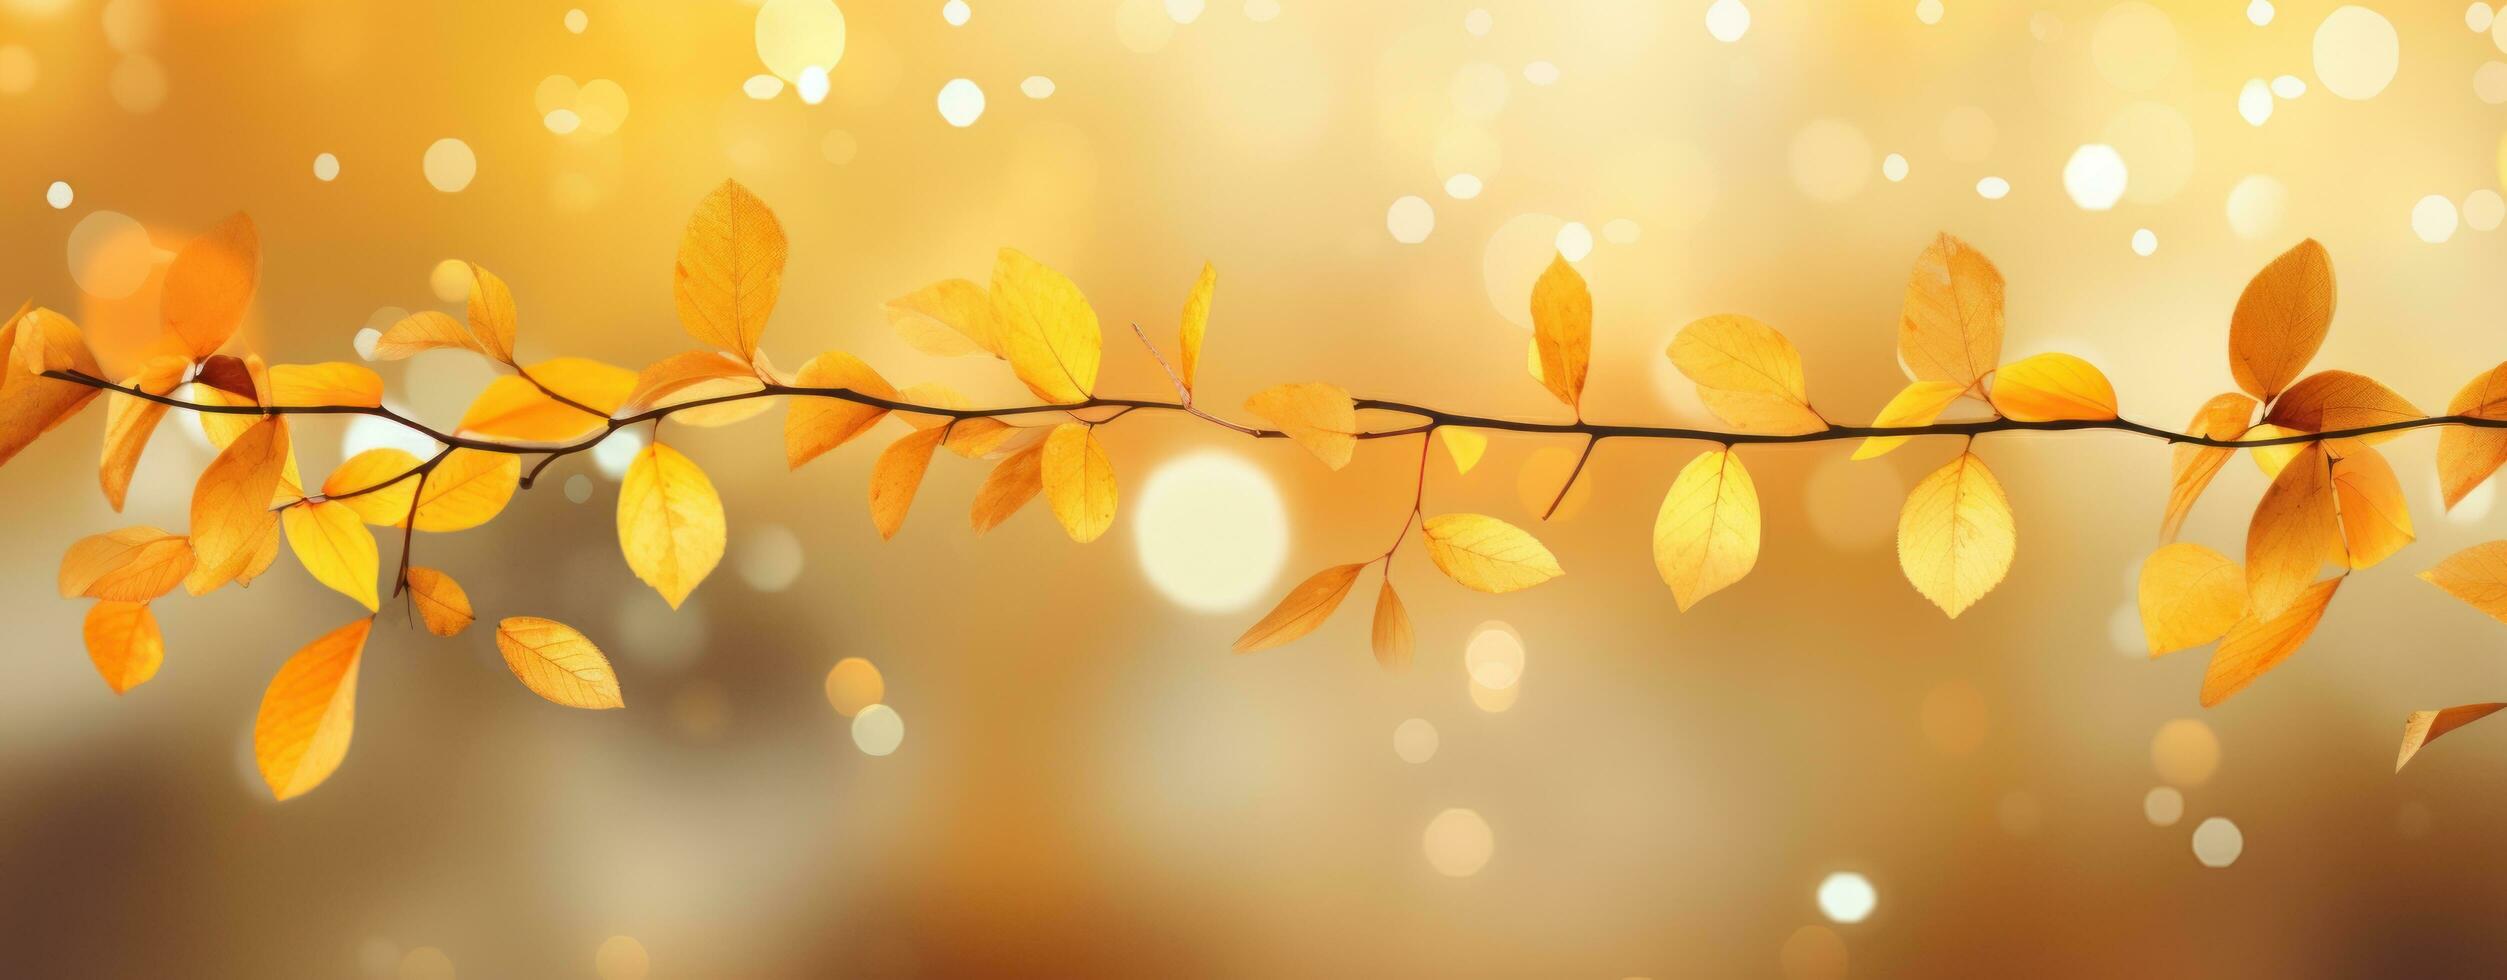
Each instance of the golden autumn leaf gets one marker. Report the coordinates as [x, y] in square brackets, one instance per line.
[1487, 554]
[123, 641]
[133, 564]
[2294, 530]
[30, 405]
[1466, 446]
[230, 510]
[1078, 481]
[2191, 467]
[897, 474]
[1562, 330]
[329, 383]
[1321, 417]
[949, 318]
[442, 605]
[515, 408]
[2376, 522]
[130, 421]
[468, 489]
[1196, 322]
[1950, 328]
[1956, 537]
[558, 663]
[2477, 575]
[1048, 330]
[492, 316]
[209, 283]
[730, 270]
[1706, 534]
[973, 437]
[814, 425]
[310, 711]
[1010, 485]
[2189, 596]
[1919, 403]
[2423, 727]
[2466, 455]
[2270, 459]
[50, 342]
[2330, 400]
[1391, 634]
[332, 542]
[354, 484]
[2048, 387]
[1304, 608]
[692, 377]
[420, 332]
[670, 522]
[1746, 373]
[2281, 319]
[2259, 642]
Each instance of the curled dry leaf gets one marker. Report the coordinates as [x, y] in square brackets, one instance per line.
[332, 542]
[133, 564]
[2329, 400]
[670, 522]
[442, 605]
[1466, 446]
[31, 405]
[230, 511]
[1391, 633]
[950, 318]
[2051, 387]
[2466, 455]
[123, 641]
[1321, 417]
[469, 488]
[2424, 727]
[1950, 328]
[2477, 575]
[2295, 529]
[558, 663]
[377, 483]
[1048, 330]
[1746, 373]
[1010, 485]
[209, 283]
[1706, 534]
[492, 317]
[1079, 481]
[130, 421]
[2189, 596]
[1304, 608]
[896, 476]
[1487, 554]
[514, 407]
[1562, 330]
[1956, 537]
[1196, 322]
[2281, 319]
[1919, 403]
[2260, 642]
[730, 270]
[310, 711]
[2191, 467]
[420, 332]
[813, 425]
[2376, 522]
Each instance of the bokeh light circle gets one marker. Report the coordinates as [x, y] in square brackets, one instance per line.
[1458, 843]
[1211, 531]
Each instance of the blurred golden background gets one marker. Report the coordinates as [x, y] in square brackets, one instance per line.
[1813, 775]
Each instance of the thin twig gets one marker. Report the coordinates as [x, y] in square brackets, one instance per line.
[1581, 458]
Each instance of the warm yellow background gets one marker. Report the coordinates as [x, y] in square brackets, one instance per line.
[1090, 783]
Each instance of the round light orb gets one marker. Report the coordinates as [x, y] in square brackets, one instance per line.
[878, 730]
[961, 102]
[795, 34]
[1410, 219]
[853, 685]
[1458, 843]
[2434, 219]
[1415, 741]
[1846, 897]
[2218, 842]
[2095, 177]
[1211, 530]
[2163, 806]
[450, 166]
[2356, 52]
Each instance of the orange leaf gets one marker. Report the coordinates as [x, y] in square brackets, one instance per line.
[230, 509]
[1304, 608]
[30, 405]
[134, 564]
[1321, 417]
[130, 421]
[2191, 467]
[331, 383]
[2050, 387]
[2281, 320]
[2477, 575]
[2189, 596]
[1009, 486]
[730, 270]
[492, 316]
[1951, 326]
[2259, 643]
[895, 477]
[2466, 455]
[2294, 529]
[515, 408]
[1079, 481]
[2375, 520]
[310, 711]
[813, 425]
[425, 331]
[558, 663]
[2424, 727]
[950, 318]
[1392, 634]
[1562, 330]
[123, 640]
[468, 489]
[2329, 400]
[382, 482]
[209, 283]
[335, 547]
[442, 604]
[1196, 323]
[1919, 403]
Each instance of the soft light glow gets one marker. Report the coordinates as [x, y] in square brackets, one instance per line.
[1410, 219]
[18, 69]
[1183, 11]
[2482, 209]
[1477, 23]
[2356, 52]
[1968, 134]
[2256, 207]
[1727, 20]
[2218, 842]
[1211, 531]
[769, 557]
[1621, 231]
[795, 34]
[450, 166]
[1928, 11]
[1494, 700]
[1993, 188]
[565, 121]
[1846, 897]
[2095, 177]
[2185, 753]
[956, 13]
[2433, 219]
[621, 957]
[1415, 741]
[878, 730]
[59, 195]
[2288, 87]
[1036, 87]
[111, 255]
[1955, 718]
[812, 85]
[1541, 73]
[762, 87]
[1494, 655]
[1575, 241]
[2134, 46]
[2254, 102]
[2478, 17]
[2259, 13]
[1458, 843]
[1893, 167]
[577, 21]
[1831, 160]
[1262, 11]
[138, 84]
[2145, 242]
[2489, 82]
[325, 167]
[450, 280]
[853, 685]
[961, 102]
[1462, 187]
[617, 451]
[2160, 143]
[2163, 806]
[578, 488]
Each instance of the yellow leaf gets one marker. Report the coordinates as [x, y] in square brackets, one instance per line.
[2049, 387]
[468, 489]
[2331, 400]
[1048, 330]
[730, 270]
[670, 522]
[330, 383]
[50, 342]
[2281, 320]
[1950, 328]
[441, 603]
[2375, 520]
[2424, 727]
[29, 405]
[1392, 633]
[896, 475]
[123, 640]
[814, 425]
[1321, 417]
[209, 283]
[1009, 486]
[1196, 323]
[1487, 554]
[514, 408]
[949, 318]
[2477, 575]
[2294, 530]
[558, 663]
[2189, 596]
[418, 333]
[133, 564]
[310, 711]
[265, 552]
[970, 436]
[1466, 446]
[1956, 537]
[1706, 535]
[666, 381]
[1304, 608]
[130, 421]
[1562, 327]
[334, 545]
[387, 506]
[2191, 467]
[2466, 455]
[1919, 403]
[231, 504]
[2270, 459]
[1746, 373]
[492, 317]
[2260, 642]
[1079, 481]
